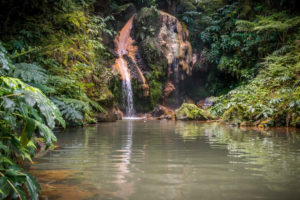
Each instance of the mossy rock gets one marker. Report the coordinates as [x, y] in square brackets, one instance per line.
[144, 103]
[192, 112]
[152, 53]
[148, 16]
[156, 89]
[102, 95]
[147, 23]
[235, 115]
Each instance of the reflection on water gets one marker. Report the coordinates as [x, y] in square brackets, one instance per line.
[125, 188]
[172, 160]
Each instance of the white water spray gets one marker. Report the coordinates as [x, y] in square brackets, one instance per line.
[121, 43]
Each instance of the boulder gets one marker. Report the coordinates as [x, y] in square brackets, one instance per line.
[110, 116]
[235, 115]
[169, 88]
[166, 50]
[192, 112]
[205, 103]
[162, 112]
[159, 57]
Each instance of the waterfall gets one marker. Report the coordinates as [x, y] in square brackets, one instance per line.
[122, 42]
[127, 92]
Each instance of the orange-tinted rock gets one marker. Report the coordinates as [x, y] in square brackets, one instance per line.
[173, 39]
[163, 112]
[169, 88]
[124, 45]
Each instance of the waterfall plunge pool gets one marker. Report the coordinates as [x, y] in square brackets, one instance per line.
[133, 159]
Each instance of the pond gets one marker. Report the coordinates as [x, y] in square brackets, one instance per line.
[133, 159]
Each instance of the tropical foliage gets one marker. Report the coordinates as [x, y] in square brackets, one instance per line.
[50, 48]
[25, 113]
[55, 58]
[273, 95]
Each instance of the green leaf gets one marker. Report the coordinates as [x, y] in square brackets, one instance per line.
[5, 188]
[5, 160]
[28, 131]
[30, 73]
[32, 187]
[4, 147]
[46, 133]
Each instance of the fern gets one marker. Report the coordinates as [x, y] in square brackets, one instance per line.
[30, 73]
[71, 109]
[244, 26]
[284, 49]
[46, 89]
[96, 106]
[5, 62]
[272, 95]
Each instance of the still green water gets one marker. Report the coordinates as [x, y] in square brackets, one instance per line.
[172, 160]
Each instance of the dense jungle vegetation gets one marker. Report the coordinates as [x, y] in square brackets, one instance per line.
[55, 58]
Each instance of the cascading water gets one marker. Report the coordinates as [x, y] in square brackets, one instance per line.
[121, 44]
[127, 90]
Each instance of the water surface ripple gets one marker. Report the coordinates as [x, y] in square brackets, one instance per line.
[137, 160]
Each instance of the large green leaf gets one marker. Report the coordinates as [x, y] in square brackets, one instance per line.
[32, 186]
[5, 160]
[46, 133]
[30, 73]
[30, 96]
[28, 131]
[5, 188]
[4, 147]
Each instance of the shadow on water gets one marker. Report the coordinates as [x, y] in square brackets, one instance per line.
[134, 159]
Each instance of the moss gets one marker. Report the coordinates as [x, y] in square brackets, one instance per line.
[192, 112]
[151, 52]
[147, 23]
[235, 115]
[144, 103]
[155, 92]
[116, 88]
[147, 16]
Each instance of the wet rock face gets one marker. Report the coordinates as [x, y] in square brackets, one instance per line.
[112, 115]
[169, 88]
[173, 39]
[158, 56]
[166, 50]
[166, 34]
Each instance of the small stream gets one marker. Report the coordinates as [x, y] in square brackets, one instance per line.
[153, 160]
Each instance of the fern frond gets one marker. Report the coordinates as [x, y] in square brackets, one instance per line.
[71, 109]
[284, 49]
[5, 62]
[30, 73]
[95, 105]
[46, 89]
[244, 25]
